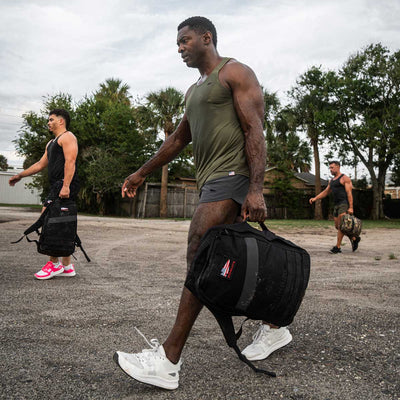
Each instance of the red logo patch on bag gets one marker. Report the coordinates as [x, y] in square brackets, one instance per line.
[227, 269]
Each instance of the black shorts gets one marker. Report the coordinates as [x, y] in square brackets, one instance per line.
[55, 191]
[228, 187]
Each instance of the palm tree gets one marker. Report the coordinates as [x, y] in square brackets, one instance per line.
[166, 107]
[112, 90]
[311, 102]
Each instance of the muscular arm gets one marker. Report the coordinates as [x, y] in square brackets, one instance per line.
[323, 194]
[249, 106]
[348, 187]
[174, 144]
[69, 145]
[33, 169]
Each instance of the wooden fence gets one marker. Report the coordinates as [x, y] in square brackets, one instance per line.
[182, 202]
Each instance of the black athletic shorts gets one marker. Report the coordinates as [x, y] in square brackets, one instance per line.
[228, 187]
[55, 191]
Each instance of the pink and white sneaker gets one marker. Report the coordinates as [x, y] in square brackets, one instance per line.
[49, 270]
[69, 270]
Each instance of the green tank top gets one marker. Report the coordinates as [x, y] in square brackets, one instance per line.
[218, 139]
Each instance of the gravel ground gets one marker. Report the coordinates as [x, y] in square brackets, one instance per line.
[58, 336]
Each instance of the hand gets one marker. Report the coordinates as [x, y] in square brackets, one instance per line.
[14, 179]
[350, 210]
[254, 207]
[132, 182]
[64, 192]
[312, 200]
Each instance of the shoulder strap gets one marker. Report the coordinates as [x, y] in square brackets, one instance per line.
[221, 64]
[79, 244]
[226, 324]
[58, 137]
[34, 227]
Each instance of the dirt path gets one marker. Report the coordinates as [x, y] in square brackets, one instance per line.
[58, 336]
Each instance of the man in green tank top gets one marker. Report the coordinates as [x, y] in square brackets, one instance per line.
[224, 120]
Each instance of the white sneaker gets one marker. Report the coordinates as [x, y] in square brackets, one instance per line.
[265, 341]
[150, 366]
[69, 270]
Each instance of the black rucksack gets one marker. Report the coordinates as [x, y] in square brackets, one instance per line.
[241, 271]
[58, 236]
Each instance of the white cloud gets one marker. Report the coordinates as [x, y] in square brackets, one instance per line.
[72, 47]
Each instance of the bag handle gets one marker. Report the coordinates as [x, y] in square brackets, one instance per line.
[263, 226]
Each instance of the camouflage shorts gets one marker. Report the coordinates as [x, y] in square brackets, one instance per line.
[340, 209]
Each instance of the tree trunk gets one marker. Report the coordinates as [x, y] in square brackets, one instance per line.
[318, 204]
[100, 202]
[375, 202]
[164, 189]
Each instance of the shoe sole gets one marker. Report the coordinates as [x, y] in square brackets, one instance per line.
[70, 275]
[283, 342]
[41, 278]
[125, 366]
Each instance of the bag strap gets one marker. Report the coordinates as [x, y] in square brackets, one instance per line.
[263, 226]
[79, 244]
[226, 324]
[33, 228]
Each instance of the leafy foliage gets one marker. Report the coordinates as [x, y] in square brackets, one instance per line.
[3, 163]
[367, 120]
[285, 149]
[115, 138]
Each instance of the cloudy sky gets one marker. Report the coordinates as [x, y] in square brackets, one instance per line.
[48, 46]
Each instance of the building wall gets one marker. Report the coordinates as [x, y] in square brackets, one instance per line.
[18, 194]
[393, 191]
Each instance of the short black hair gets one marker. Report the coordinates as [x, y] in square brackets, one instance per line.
[200, 25]
[334, 162]
[60, 112]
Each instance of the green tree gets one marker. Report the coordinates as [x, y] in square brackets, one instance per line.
[110, 142]
[113, 91]
[367, 121]
[312, 105]
[3, 163]
[285, 149]
[165, 111]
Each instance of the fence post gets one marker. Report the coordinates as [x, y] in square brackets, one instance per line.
[185, 203]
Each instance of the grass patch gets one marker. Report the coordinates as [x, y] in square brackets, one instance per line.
[271, 223]
[310, 223]
[392, 256]
[35, 206]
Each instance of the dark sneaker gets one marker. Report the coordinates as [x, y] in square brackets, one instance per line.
[335, 250]
[354, 243]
